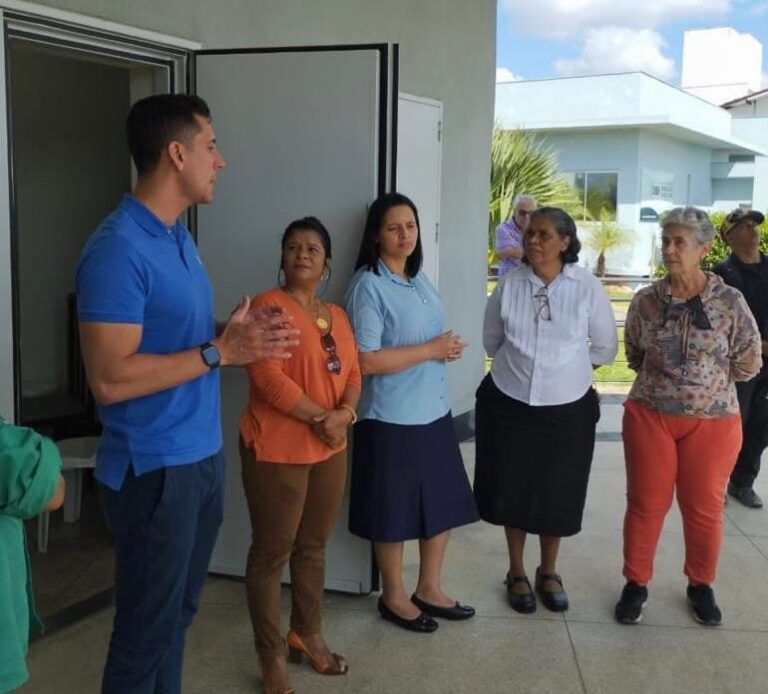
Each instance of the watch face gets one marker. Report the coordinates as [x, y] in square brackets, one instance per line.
[211, 356]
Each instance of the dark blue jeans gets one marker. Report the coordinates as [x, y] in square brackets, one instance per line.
[165, 524]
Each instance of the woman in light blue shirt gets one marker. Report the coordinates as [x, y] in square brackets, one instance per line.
[408, 477]
[547, 324]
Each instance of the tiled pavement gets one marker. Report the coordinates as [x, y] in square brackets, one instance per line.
[499, 651]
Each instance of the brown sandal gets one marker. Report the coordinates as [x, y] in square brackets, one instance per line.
[297, 649]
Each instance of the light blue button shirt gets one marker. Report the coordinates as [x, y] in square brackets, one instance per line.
[388, 311]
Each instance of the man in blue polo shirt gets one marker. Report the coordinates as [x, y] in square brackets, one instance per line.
[151, 353]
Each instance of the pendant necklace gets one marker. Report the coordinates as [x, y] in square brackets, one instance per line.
[320, 322]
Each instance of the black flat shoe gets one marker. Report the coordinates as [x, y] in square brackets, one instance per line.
[746, 496]
[525, 603]
[456, 612]
[556, 602]
[423, 624]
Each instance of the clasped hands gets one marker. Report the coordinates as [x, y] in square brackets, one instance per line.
[331, 426]
[447, 347]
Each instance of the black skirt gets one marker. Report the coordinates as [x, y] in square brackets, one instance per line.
[532, 463]
[408, 481]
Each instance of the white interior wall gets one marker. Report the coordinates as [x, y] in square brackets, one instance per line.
[71, 168]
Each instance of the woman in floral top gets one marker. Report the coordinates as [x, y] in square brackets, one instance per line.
[689, 336]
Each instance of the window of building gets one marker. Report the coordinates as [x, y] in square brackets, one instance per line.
[597, 189]
[735, 158]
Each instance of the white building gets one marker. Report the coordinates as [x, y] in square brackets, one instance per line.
[721, 64]
[636, 146]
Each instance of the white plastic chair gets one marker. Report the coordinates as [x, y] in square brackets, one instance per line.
[76, 455]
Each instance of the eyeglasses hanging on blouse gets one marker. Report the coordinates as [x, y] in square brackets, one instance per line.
[332, 362]
[541, 304]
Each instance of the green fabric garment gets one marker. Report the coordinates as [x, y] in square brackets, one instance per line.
[30, 466]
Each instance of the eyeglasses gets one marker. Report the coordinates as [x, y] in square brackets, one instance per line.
[541, 301]
[332, 362]
[524, 213]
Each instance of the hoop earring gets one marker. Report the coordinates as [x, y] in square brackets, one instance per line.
[325, 280]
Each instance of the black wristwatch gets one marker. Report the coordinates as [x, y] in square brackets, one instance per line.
[210, 355]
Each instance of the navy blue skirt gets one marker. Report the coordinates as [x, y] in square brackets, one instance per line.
[408, 481]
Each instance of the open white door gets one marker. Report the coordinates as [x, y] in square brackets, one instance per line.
[304, 131]
[419, 148]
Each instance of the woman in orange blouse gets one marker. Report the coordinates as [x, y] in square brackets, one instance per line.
[293, 441]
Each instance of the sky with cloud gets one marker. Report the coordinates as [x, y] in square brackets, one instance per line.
[559, 38]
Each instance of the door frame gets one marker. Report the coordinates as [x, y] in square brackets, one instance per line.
[80, 34]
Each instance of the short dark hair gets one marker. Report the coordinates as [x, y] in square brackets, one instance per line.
[308, 223]
[565, 228]
[368, 257]
[156, 121]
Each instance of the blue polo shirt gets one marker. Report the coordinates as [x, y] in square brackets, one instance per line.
[134, 269]
[388, 311]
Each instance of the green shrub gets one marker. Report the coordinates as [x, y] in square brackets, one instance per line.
[720, 250]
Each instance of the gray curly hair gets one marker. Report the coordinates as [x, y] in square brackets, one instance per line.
[693, 219]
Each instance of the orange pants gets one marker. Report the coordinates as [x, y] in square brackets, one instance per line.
[667, 452]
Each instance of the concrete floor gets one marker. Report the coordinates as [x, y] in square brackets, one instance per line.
[80, 561]
[583, 651]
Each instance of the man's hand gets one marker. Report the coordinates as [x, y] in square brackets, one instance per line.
[250, 334]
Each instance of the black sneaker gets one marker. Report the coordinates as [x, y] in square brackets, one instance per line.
[745, 495]
[705, 609]
[629, 608]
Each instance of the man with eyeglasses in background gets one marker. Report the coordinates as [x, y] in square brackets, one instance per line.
[509, 234]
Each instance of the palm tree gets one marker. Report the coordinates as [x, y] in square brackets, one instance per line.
[605, 236]
[521, 163]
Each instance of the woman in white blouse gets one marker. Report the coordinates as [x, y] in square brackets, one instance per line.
[547, 324]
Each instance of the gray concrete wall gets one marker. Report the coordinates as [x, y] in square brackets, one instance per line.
[615, 151]
[608, 150]
[757, 109]
[447, 52]
[728, 194]
[682, 159]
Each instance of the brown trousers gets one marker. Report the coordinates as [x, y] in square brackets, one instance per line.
[293, 511]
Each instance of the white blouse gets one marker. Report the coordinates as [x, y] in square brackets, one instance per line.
[544, 340]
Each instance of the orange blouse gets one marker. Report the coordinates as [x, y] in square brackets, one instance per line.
[276, 385]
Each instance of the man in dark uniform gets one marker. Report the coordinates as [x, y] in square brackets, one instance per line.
[747, 270]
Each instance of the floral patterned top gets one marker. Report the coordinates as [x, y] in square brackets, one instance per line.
[688, 354]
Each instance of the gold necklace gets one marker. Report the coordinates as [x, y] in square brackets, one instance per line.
[320, 322]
